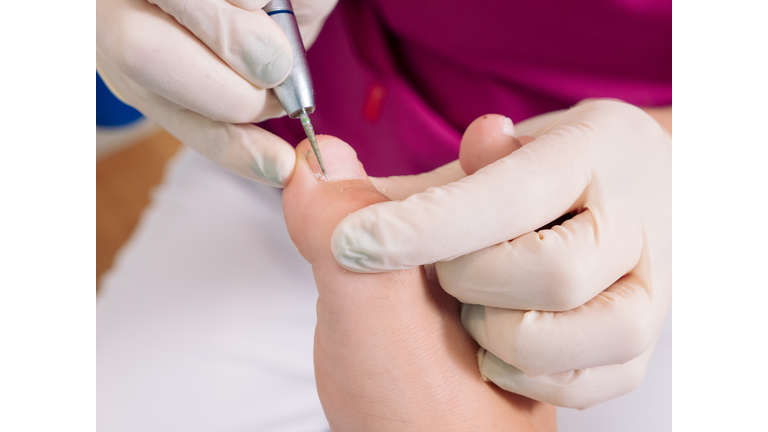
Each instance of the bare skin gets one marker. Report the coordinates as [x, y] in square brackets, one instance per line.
[485, 142]
[662, 115]
[390, 350]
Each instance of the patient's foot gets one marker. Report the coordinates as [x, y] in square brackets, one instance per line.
[390, 350]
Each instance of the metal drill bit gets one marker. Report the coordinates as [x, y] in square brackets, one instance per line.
[295, 94]
[310, 131]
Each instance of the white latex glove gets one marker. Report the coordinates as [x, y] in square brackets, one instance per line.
[568, 315]
[199, 68]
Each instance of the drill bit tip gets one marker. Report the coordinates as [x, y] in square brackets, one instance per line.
[310, 132]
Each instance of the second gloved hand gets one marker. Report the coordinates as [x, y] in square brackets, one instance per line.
[568, 314]
[201, 70]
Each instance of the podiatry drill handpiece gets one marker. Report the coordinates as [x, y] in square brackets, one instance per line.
[295, 94]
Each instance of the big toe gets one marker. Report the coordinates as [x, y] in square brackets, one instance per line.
[314, 203]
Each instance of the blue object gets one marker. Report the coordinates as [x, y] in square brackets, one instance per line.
[110, 112]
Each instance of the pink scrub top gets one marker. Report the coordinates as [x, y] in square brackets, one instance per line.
[401, 80]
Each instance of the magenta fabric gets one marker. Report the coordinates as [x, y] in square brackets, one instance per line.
[401, 80]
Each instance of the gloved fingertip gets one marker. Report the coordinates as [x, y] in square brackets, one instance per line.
[272, 164]
[471, 316]
[351, 260]
[271, 172]
[354, 248]
[269, 63]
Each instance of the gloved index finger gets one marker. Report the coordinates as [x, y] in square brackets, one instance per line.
[249, 41]
[510, 197]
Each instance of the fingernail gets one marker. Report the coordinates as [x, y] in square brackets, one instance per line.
[339, 159]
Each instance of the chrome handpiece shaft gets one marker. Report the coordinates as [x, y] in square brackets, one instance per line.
[296, 94]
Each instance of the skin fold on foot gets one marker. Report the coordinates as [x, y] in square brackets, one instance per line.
[390, 350]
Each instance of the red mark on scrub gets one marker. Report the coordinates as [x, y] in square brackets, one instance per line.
[374, 100]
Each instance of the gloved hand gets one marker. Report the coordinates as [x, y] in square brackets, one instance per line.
[199, 68]
[569, 315]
